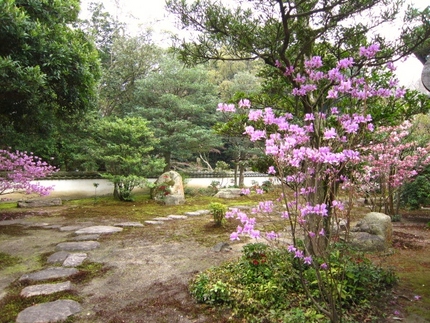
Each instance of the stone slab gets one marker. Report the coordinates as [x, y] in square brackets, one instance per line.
[75, 259]
[162, 219]
[85, 237]
[40, 203]
[154, 222]
[78, 245]
[45, 289]
[56, 311]
[71, 228]
[129, 224]
[197, 213]
[50, 273]
[58, 257]
[99, 229]
[177, 217]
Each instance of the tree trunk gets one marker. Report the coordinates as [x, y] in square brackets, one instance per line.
[168, 161]
[241, 175]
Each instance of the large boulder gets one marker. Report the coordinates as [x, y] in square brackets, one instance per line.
[373, 233]
[169, 189]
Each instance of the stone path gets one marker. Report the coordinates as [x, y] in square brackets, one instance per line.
[63, 261]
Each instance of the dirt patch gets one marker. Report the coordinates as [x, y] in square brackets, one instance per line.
[150, 267]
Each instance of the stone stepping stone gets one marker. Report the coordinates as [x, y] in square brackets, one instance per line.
[75, 259]
[197, 213]
[177, 217]
[78, 245]
[154, 222]
[45, 289]
[85, 237]
[49, 312]
[162, 219]
[129, 224]
[99, 229]
[50, 273]
[71, 228]
[58, 257]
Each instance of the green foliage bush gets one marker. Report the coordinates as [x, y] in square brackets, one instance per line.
[417, 193]
[264, 285]
[218, 211]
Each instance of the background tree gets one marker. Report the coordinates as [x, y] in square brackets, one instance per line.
[49, 73]
[124, 148]
[178, 102]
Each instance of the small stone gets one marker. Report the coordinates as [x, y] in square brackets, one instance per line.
[221, 246]
[74, 259]
[78, 245]
[58, 257]
[162, 219]
[129, 224]
[177, 217]
[99, 229]
[50, 273]
[45, 289]
[154, 222]
[49, 312]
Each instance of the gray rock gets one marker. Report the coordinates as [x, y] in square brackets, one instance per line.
[40, 203]
[177, 217]
[49, 312]
[221, 246]
[154, 222]
[70, 228]
[78, 245]
[50, 273]
[85, 237]
[58, 257]
[373, 233]
[162, 219]
[174, 200]
[367, 242]
[197, 213]
[129, 224]
[99, 229]
[74, 259]
[229, 193]
[45, 289]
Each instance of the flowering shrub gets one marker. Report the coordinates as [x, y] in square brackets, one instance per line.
[314, 157]
[18, 170]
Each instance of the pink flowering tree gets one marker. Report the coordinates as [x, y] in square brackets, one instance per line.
[391, 160]
[19, 170]
[312, 159]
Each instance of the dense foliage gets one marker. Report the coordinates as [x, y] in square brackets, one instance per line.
[264, 285]
[49, 73]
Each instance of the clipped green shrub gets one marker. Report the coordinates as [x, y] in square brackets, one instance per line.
[218, 211]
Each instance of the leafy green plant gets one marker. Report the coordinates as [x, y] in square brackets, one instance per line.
[264, 285]
[417, 193]
[218, 211]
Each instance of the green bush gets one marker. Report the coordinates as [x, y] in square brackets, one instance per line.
[264, 285]
[417, 193]
[218, 211]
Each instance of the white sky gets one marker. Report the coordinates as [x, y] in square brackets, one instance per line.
[151, 13]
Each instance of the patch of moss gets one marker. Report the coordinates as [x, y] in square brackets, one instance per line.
[7, 260]
[13, 302]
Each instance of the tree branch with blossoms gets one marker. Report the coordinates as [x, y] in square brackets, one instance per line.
[312, 158]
